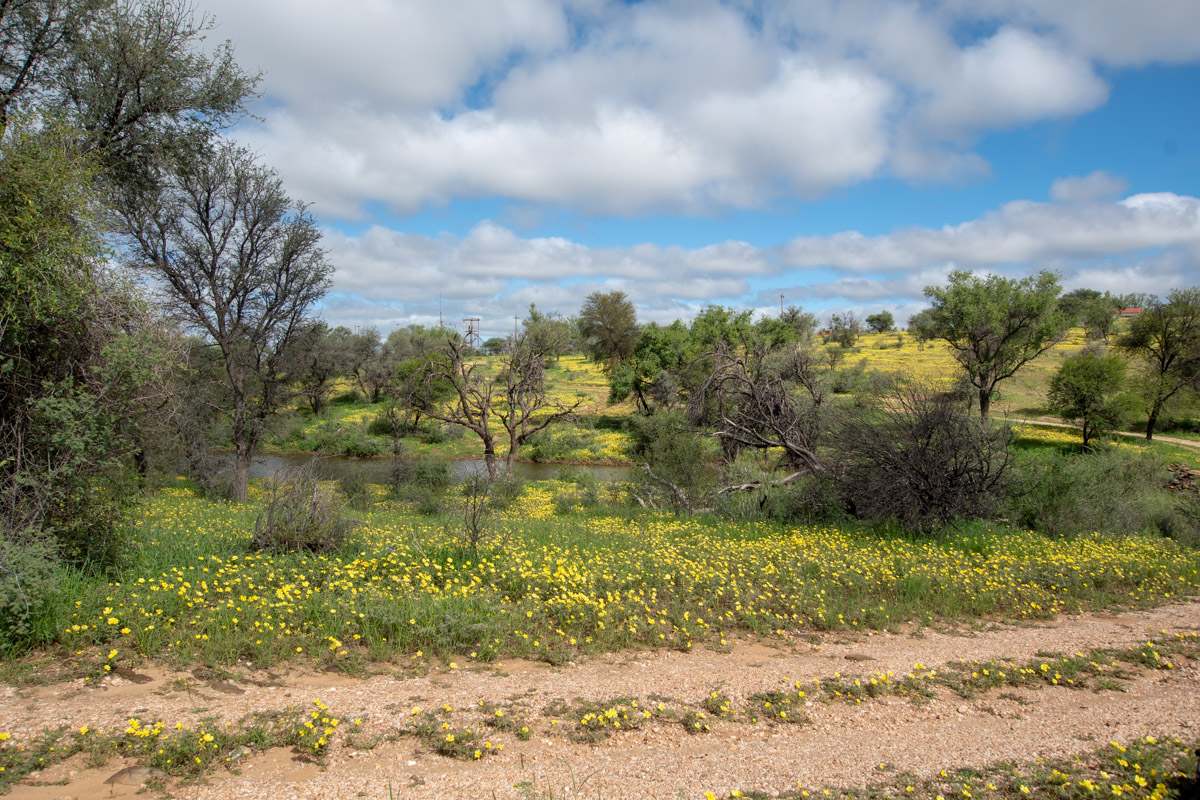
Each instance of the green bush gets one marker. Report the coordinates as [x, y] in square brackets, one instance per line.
[1115, 490]
[29, 581]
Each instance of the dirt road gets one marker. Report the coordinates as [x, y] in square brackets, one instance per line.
[842, 744]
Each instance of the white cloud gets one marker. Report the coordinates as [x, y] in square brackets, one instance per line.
[1020, 232]
[1097, 186]
[689, 108]
[1146, 242]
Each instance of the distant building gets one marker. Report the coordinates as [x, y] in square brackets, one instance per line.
[1126, 313]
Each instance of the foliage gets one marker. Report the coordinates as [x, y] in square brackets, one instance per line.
[995, 325]
[30, 574]
[673, 460]
[238, 262]
[1116, 491]
[1087, 388]
[132, 77]
[300, 514]
[919, 459]
[881, 322]
[608, 324]
[80, 357]
[844, 329]
[1165, 337]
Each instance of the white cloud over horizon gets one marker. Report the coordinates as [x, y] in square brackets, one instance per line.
[1145, 242]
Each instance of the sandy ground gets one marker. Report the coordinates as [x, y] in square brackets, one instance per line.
[843, 746]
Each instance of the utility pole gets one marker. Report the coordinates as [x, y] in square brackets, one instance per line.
[781, 306]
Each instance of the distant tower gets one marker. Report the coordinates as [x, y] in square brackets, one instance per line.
[471, 336]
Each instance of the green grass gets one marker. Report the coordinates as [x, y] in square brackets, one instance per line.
[568, 584]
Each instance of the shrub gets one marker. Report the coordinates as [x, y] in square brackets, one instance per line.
[300, 514]
[921, 460]
[29, 572]
[482, 497]
[1116, 490]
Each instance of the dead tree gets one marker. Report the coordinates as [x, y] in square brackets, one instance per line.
[512, 405]
[751, 402]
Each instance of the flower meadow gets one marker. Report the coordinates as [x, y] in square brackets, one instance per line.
[565, 583]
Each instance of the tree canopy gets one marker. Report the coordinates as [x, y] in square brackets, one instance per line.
[995, 325]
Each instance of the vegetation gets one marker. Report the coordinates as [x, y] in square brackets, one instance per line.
[995, 326]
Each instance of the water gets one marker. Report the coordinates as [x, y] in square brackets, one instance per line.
[379, 470]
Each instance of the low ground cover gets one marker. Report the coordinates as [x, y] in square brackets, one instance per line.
[570, 582]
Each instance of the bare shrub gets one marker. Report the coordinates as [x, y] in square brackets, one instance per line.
[300, 514]
[483, 497]
[918, 458]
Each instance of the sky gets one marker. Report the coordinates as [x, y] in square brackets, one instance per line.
[467, 158]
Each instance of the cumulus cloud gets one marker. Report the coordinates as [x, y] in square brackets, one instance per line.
[692, 108]
[1145, 242]
[1097, 186]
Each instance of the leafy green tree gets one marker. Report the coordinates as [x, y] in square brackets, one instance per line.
[323, 356]
[994, 325]
[549, 334]
[78, 353]
[881, 322]
[240, 263]
[1165, 337]
[1087, 389]
[802, 322]
[609, 328]
[1074, 303]
[133, 77]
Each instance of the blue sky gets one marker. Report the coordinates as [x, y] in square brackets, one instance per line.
[480, 155]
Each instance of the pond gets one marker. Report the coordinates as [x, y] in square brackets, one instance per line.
[378, 470]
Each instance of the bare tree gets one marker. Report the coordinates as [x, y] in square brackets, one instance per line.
[239, 262]
[513, 405]
[525, 407]
[751, 401]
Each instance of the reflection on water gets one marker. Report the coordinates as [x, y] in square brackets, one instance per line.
[379, 470]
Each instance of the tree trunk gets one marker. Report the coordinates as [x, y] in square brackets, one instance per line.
[241, 482]
[489, 459]
[1151, 421]
[985, 404]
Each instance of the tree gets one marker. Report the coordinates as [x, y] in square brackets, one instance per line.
[916, 457]
[994, 325]
[1086, 388]
[131, 75]
[881, 322]
[548, 334]
[323, 356]
[513, 405]
[80, 354]
[238, 261]
[36, 37]
[844, 329]
[608, 325]
[802, 322]
[1166, 338]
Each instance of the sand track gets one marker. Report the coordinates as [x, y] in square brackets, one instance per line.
[844, 745]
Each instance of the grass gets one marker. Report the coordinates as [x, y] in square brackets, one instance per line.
[568, 584]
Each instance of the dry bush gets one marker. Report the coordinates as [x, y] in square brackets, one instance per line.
[300, 514]
[920, 459]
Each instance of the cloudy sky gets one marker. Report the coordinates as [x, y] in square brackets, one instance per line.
[476, 156]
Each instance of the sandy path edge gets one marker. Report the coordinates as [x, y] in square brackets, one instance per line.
[844, 745]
